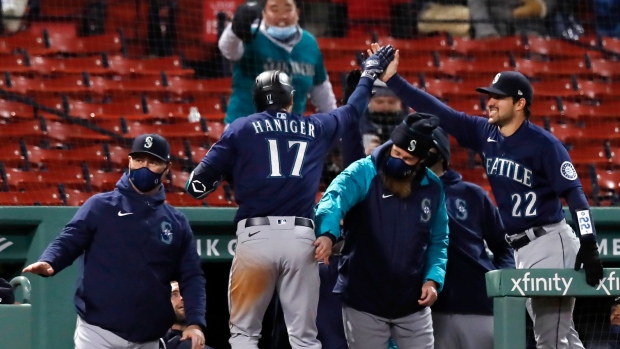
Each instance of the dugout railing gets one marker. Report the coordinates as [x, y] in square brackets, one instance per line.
[510, 287]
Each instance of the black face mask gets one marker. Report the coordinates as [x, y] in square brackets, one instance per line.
[386, 118]
[432, 159]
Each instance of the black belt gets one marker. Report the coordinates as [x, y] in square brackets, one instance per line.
[524, 240]
[299, 221]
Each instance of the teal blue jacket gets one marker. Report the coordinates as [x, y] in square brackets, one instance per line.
[396, 243]
[303, 63]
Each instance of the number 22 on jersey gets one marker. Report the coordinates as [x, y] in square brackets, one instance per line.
[523, 202]
[274, 157]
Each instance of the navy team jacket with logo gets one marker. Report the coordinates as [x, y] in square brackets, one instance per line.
[392, 246]
[474, 219]
[130, 246]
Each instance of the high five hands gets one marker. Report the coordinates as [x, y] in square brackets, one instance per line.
[391, 68]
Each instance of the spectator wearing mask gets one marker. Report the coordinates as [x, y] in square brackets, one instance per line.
[384, 113]
[277, 43]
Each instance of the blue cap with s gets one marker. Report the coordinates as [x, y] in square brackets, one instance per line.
[151, 143]
[510, 84]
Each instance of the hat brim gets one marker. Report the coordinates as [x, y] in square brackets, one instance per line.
[492, 91]
[150, 153]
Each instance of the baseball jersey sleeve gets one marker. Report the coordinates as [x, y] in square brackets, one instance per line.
[437, 257]
[192, 281]
[75, 237]
[468, 130]
[345, 191]
[221, 157]
[559, 169]
[346, 118]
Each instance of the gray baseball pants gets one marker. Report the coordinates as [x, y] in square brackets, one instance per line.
[367, 331]
[463, 331]
[552, 316]
[89, 336]
[280, 257]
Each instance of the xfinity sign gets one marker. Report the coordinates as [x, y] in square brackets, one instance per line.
[527, 283]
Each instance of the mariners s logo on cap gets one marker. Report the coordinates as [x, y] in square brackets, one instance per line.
[148, 142]
[496, 78]
[412, 145]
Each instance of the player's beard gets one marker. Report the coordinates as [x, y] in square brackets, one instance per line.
[401, 187]
[180, 318]
[501, 120]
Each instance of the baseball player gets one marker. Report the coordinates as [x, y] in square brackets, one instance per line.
[274, 159]
[529, 170]
[463, 314]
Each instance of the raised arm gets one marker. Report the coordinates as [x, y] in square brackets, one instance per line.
[348, 115]
[352, 143]
[466, 129]
[239, 31]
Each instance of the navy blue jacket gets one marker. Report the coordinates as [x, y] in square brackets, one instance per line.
[474, 219]
[392, 245]
[130, 247]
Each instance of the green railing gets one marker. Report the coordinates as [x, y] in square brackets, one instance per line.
[510, 287]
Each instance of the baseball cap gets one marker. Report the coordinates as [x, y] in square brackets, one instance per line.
[510, 84]
[151, 143]
[6, 292]
[415, 134]
[380, 89]
[616, 301]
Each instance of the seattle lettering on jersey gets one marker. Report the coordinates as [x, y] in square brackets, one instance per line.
[282, 125]
[291, 68]
[508, 168]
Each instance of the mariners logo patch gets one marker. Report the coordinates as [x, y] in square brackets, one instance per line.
[425, 216]
[166, 233]
[148, 142]
[496, 78]
[568, 171]
[412, 145]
